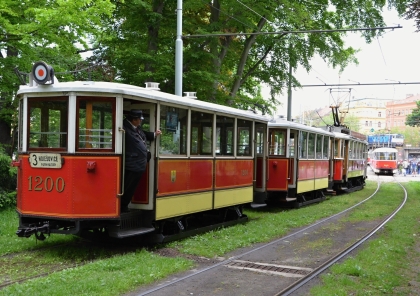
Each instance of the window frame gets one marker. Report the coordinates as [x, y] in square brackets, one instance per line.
[112, 100]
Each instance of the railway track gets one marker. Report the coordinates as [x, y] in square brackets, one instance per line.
[316, 272]
[266, 270]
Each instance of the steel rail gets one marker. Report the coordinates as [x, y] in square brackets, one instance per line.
[301, 282]
[224, 262]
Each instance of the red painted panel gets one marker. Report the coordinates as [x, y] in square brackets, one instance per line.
[278, 169]
[384, 164]
[292, 176]
[338, 169]
[306, 169]
[141, 195]
[71, 191]
[234, 173]
[321, 168]
[95, 193]
[184, 176]
[259, 177]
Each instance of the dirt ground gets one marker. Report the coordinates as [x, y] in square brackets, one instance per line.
[308, 249]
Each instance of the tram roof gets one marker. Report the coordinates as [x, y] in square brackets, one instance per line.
[282, 123]
[385, 149]
[108, 88]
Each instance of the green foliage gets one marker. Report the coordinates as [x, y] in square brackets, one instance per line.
[8, 178]
[139, 41]
[413, 119]
[52, 30]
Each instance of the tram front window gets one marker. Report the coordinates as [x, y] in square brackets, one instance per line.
[47, 123]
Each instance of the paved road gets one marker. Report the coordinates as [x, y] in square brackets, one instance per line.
[388, 178]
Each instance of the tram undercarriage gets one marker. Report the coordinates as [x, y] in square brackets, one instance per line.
[134, 223]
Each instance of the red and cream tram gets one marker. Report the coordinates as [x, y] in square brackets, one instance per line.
[305, 162]
[71, 160]
[384, 161]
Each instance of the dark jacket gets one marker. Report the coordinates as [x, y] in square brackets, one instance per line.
[135, 147]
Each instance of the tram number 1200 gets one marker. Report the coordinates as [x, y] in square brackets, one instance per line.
[37, 183]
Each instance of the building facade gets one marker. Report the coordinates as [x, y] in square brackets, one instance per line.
[370, 114]
[397, 111]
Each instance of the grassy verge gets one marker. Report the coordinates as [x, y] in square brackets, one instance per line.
[267, 224]
[110, 274]
[388, 264]
[10, 242]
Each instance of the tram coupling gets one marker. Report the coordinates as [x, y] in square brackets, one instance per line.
[38, 230]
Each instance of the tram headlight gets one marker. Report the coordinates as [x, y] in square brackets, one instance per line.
[42, 73]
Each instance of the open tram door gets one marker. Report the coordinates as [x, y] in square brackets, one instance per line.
[260, 163]
[143, 196]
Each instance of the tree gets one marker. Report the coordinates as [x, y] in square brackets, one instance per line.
[413, 119]
[228, 70]
[413, 12]
[51, 30]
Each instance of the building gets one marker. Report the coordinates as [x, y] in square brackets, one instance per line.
[397, 111]
[370, 114]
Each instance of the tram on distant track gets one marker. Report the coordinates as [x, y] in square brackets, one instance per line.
[304, 163]
[384, 161]
[208, 163]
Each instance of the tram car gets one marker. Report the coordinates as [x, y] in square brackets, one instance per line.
[384, 161]
[304, 163]
[71, 160]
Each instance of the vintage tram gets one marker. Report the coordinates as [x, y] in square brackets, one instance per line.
[304, 163]
[71, 160]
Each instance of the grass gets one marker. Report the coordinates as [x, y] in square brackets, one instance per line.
[266, 225]
[384, 266]
[105, 273]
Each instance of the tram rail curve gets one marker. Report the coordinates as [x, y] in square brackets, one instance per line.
[316, 272]
[190, 283]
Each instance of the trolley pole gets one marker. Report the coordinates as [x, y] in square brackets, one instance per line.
[178, 50]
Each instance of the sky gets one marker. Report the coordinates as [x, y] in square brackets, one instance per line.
[391, 58]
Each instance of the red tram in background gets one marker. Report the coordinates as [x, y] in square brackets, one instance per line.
[384, 161]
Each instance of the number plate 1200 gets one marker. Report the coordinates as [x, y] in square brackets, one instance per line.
[45, 160]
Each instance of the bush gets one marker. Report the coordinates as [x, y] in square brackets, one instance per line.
[7, 199]
[8, 182]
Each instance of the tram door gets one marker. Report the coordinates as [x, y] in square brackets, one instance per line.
[260, 157]
[143, 197]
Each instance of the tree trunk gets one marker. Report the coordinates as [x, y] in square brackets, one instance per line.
[5, 138]
[154, 34]
[241, 65]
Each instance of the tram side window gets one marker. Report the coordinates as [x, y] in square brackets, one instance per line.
[224, 135]
[278, 142]
[303, 145]
[311, 146]
[244, 138]
[201, 133]
[173, 124]
[95, 123]
[47, 123]
[318, 147]
[326, 148]
[260, 140]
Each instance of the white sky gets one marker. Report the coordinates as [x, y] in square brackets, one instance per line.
[394, 56]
